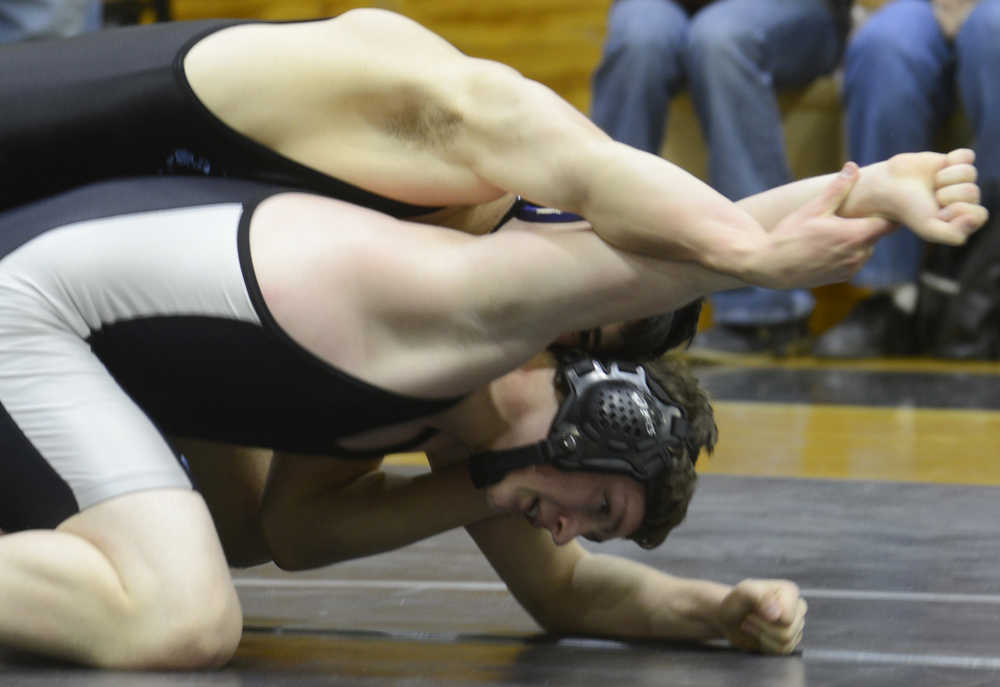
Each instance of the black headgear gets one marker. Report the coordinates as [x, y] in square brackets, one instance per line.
[613, 419]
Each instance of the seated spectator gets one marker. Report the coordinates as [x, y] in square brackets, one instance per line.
[732, 55]
[906, 71]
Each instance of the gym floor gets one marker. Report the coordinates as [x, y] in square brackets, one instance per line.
[874, 486]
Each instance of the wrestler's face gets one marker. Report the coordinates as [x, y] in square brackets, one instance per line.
[570, 504]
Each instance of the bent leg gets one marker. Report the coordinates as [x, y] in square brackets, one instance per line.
[111, 559]
[134, 582]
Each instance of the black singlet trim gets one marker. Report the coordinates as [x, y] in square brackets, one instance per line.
[356, 194]
[433, 405]
[512, 212]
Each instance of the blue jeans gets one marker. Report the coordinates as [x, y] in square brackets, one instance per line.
[902, 81]
[28, 19]
[732, 55]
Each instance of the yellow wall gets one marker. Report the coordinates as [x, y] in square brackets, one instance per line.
[557, 42]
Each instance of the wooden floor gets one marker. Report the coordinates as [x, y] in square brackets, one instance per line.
[874, 486]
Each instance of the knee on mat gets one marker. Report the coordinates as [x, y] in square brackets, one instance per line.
[198, 632]
[206, 641]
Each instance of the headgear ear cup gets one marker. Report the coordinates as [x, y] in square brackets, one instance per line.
[609, 421]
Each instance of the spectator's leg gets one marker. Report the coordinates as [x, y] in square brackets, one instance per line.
[898, 77]
[93, 18]
[898, 89]
[960, 300]
[978, 66]
[739, 52]
[639, 71]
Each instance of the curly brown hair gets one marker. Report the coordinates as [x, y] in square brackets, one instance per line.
[667, 500]
[642, 340]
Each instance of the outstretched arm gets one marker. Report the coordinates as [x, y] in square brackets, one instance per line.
[554, 282]
[569, 590]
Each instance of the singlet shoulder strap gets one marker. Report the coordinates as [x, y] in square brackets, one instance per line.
[535, 214]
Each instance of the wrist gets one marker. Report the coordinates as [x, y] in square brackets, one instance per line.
[695, 611]
[872, 195]
[714, 617]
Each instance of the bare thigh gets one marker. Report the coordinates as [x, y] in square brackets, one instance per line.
[143, 573]
[156, 537]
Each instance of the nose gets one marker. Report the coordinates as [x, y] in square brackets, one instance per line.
[563, 529]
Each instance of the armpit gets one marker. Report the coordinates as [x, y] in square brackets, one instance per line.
[426, 125]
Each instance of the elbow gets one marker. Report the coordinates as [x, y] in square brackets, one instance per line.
[555, 620]
[284, 553]
[554, 625]
[488, 99]
[285, 539]
[293, 548]
[546, 617]
[290, 562]
[299, 556]
[558, 607]
[521, 136]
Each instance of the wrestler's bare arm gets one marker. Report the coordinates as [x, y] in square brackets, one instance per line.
[935, 194]
[375, 99]
[560, 279]
[259, 500]
[572, 591]
[433, 312]
[355, 509]
[459, 311]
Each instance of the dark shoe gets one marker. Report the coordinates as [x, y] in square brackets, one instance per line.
[874, 328]
[726, 340]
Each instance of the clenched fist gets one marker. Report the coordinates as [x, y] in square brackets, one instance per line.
[764, 615]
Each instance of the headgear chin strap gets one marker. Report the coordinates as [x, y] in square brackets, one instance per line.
[613, 419]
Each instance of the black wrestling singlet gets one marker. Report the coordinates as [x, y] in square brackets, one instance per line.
[116, 103]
